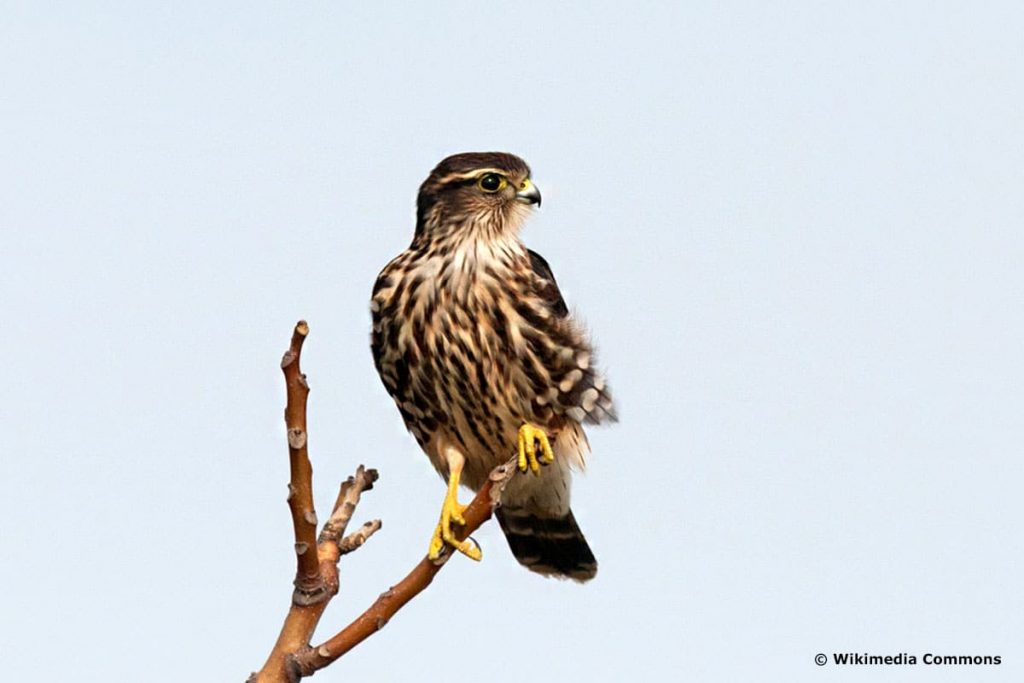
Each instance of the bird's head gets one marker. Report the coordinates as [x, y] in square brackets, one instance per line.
[484, 193]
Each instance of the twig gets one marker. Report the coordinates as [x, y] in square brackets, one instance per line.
[311, 660]
[331, 546]
[309, 585]
[316, 577]
[345, 504]
[354, 540]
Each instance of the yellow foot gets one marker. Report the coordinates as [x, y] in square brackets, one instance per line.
[529, 436]
[451, 513]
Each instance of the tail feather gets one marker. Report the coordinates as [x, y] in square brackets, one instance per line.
[553, 546]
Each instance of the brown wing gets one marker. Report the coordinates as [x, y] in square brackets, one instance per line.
[577, 390]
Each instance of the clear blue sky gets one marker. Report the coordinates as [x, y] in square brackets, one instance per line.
[795, 232]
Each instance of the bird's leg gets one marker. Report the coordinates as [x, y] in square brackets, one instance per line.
[451, 513]
[529, 436]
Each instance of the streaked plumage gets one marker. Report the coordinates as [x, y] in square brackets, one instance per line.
[472, 339]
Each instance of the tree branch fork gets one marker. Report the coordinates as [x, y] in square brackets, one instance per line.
[293, 657]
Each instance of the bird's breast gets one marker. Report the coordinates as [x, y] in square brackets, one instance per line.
[450, 325]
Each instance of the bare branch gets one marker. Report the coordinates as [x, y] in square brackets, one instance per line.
[316, 578]
[357, 538]
[345, 505]
[310, 660]
[309, 585]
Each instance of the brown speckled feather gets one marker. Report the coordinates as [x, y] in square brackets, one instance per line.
[472, 339]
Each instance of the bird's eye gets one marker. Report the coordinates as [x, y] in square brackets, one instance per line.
[491, 182]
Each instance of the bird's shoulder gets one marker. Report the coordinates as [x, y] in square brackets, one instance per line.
[576, 389]
[547, 287]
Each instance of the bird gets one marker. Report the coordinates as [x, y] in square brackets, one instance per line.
[474, 342]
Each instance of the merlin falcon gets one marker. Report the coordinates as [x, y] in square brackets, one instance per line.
[475, 344]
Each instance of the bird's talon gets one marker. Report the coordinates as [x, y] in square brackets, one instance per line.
[470, 549]
[451, 513]
[529, 437]
[436, 544]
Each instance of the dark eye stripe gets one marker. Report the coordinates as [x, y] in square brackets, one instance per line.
[452, 183]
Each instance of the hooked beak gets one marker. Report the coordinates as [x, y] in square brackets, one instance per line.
[528, 193]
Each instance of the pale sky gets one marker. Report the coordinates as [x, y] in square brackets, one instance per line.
[794, 232]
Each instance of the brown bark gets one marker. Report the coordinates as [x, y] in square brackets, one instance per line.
[312, 659]
[309, 587]
[316, 577]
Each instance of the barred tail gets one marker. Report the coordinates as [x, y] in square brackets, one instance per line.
[552, 546]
